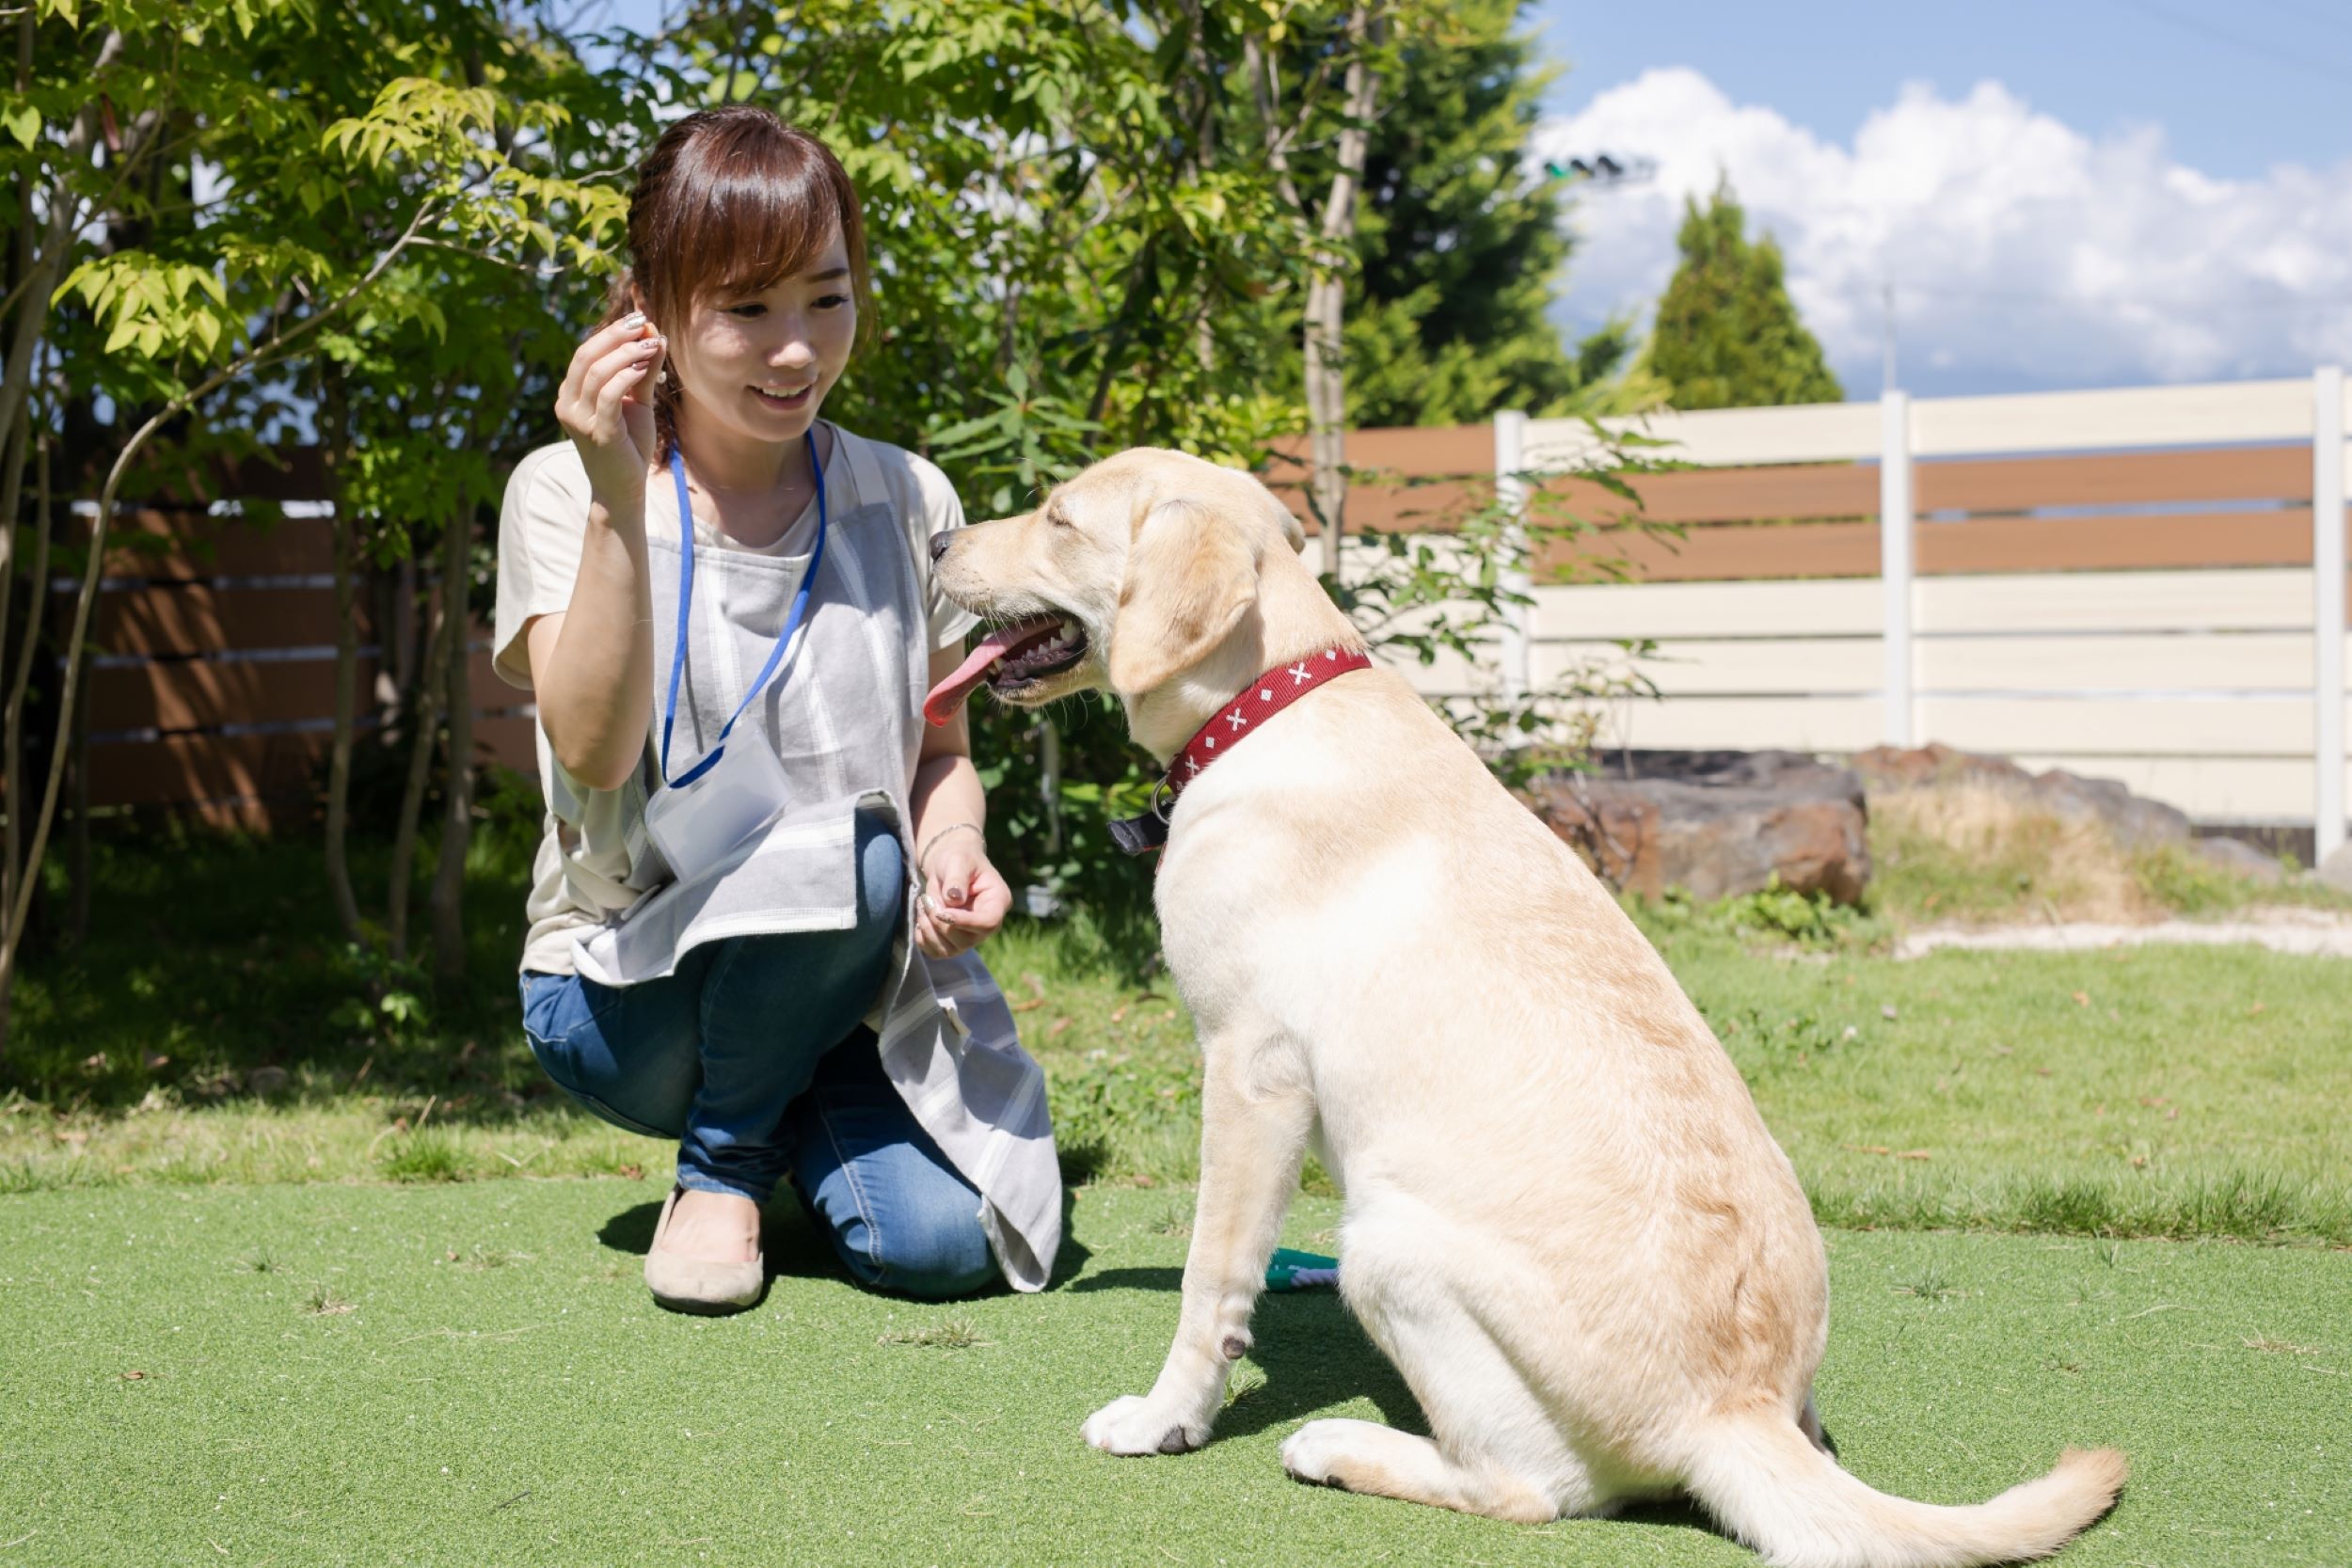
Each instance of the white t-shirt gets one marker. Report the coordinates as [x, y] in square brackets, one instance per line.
[577, 879]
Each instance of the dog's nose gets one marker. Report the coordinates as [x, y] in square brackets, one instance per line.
[940, 542]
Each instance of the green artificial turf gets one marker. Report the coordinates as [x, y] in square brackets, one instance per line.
[2180, 1092]
[2154, 1091]
[472, 1375]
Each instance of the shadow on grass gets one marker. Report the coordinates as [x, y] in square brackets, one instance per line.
[794, 1247]
[1314, 1353]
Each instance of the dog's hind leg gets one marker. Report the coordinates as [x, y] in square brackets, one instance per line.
[1494, 1449]
[1366, 1456]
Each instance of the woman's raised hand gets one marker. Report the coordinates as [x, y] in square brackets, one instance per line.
[606, 406]
[964, 898]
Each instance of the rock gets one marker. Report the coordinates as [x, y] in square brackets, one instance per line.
[1902, 768]
[266, 1081]
[2135, 822]
[1715, 823]
[2237, 858]
[2336, 870]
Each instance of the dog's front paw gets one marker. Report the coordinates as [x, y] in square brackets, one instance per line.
[1135, 1425]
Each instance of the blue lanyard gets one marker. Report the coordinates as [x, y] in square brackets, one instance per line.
[686, 605]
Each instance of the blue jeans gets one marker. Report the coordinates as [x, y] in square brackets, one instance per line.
[751, 1055]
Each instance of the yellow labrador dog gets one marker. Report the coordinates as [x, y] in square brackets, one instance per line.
[1565, 1222]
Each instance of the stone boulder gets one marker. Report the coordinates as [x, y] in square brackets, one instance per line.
[1715, 823]
[2134, 822]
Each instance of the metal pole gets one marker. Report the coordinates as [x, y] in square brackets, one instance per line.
[2327, 628]
[1511, 492]
[1895, 561]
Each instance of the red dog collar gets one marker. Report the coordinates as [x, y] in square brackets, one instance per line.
[1262, 698]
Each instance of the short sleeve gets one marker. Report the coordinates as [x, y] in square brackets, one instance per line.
[541, 526]
[935, 510]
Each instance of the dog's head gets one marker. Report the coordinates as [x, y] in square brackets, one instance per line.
[1131, 574]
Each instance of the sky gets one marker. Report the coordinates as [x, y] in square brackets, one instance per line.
[2069, 194]
[2060, 193]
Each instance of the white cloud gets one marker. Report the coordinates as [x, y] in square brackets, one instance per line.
[2023, 252]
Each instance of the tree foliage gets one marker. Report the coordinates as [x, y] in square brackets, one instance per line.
[382, 226]
[1461, 246]
[216, 198]
[1727, 333]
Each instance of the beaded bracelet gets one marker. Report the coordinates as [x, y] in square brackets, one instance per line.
[924, 854]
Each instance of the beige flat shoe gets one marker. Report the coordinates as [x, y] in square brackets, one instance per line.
[698, 1285]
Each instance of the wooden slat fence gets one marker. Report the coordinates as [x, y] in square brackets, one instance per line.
[210, 685]
[2120, 582]
[2123, 584]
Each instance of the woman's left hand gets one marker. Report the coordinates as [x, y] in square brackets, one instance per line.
[964, 900]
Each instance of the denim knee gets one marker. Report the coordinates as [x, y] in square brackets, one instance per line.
[922, 1255]
[881, 877]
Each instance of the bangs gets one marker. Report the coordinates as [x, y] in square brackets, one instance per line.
[747, 203]
[753, 221]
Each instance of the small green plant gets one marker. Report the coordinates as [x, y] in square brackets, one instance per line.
[479, 1257]
[1247, 1379]
[390, 1009]
[950, 1334]
[2184, 882]
[260, 1262]
[323, 1301]
[1174, 1220]
[424, 1156]
[1808, 919]
[1930, 1284]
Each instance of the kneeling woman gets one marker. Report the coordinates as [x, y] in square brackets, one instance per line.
[722, 606]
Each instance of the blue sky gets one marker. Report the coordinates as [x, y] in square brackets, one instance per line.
[2079, 193]
[2236, 88]
[2063, 194]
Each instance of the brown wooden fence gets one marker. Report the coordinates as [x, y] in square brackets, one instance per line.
[212, 675]
[211, 686]
[2218, 507]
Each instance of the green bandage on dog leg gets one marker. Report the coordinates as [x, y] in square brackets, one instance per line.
[1301, 1270]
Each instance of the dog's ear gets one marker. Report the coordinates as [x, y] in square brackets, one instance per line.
[1190, 579]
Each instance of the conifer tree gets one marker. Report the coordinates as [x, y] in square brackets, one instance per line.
[1727, 334]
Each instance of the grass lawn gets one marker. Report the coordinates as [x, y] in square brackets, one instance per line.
[293, 1277]
[2181, 1092]
[472, 1373]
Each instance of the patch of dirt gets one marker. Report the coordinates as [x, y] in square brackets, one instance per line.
[2323, 932]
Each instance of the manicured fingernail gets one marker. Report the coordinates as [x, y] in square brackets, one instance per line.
[633, 322]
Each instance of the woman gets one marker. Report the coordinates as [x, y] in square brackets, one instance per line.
[720, 947]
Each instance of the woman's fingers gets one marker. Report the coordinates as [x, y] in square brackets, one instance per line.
[608, 423]
[594, 349]
[595, 399]
[929, 940]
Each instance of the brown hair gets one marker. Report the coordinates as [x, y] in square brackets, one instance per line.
[731, 200]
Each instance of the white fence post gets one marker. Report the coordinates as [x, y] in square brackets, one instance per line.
[1511, 491]
[1895, 567]
[2328, 627]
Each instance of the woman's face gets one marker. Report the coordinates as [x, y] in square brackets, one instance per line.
[756, 366]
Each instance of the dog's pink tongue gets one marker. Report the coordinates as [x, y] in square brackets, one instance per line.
[948, 695]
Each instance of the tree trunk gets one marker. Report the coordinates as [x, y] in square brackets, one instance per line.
[449, 880]
[424, 726]
[1327, 296]
[334, 433]
[77, 905]
[12, 715]
[1326, 287]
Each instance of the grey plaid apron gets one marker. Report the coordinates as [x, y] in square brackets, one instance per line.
[847, 724]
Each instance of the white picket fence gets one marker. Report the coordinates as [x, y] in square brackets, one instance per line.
[2218, 690]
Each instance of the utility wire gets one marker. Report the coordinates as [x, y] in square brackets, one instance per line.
[2334, 75]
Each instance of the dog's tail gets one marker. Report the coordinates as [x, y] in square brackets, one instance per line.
[1769, 1485]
